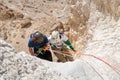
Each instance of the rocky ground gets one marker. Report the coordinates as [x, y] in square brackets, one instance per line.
[20, 18]
[93, 28]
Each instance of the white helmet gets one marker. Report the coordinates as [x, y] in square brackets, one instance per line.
[55, 35]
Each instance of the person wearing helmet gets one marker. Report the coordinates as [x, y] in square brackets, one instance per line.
[39, 46]
[60, 41]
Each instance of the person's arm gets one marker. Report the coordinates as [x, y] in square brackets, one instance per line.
[69, 44]
[31, 51]
[30, 46]
[67, 41]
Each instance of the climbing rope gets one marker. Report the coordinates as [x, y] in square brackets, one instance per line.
[90, 55]
[113, 67]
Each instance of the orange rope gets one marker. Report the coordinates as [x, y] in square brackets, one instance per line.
[113, 67]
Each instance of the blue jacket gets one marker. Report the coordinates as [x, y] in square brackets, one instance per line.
[37, 46]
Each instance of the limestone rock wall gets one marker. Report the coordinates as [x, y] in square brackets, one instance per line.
[43, 14]
[21, 66]
[93, 28]
[107, 7]
[77, 17]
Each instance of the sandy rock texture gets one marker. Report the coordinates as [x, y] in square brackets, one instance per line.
[43, 15]
[21, 66]
[93, 28]
[20, 18]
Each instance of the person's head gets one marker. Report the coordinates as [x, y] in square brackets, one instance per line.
[57, 26]
[60, 27]
[37, 37]
[55, 35]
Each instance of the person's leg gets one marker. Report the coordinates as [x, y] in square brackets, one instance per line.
[70, 58]
[68, 55]
[61, 57]
[40, 56]
[48, 55]
[45, 55]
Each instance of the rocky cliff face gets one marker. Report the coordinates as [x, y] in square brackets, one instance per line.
[20, 18]
[20, 66]
[92, 25]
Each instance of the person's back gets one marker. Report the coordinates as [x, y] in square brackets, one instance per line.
[39, 46]
[59, 41]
